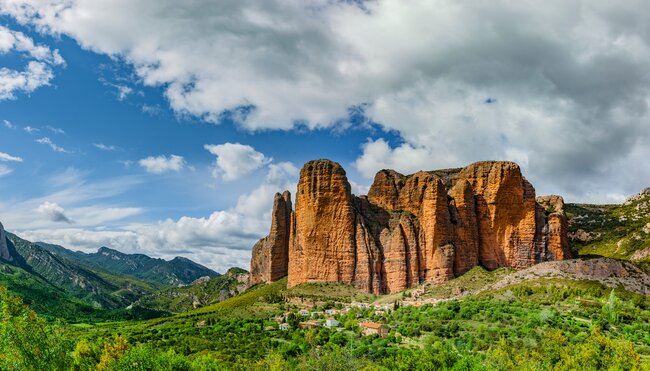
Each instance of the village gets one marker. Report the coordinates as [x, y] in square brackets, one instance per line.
[336, 315]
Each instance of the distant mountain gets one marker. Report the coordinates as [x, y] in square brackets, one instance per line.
[160, 272]
[94, 287]
[77, 286]
[202, 292]
[618, 231]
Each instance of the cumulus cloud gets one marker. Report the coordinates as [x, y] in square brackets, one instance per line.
[53, 212]
[235, 160]
[48, 142]
[162, 164]
[7, 157]
[563, 84]
[38, 71]
[30, 129]
[221, 240]
[8, 124]
[377, 155]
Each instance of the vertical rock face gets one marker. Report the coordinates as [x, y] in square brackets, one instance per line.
[505, 204]
[553, 228]
[4, 248]
[425, 227]
[465, 225]
[271, 254]
[324, 241]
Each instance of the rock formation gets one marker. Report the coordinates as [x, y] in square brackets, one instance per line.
[425, 227]
[270, 254]
[554, 228]
[5, 254]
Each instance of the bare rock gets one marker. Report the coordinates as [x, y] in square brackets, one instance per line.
[270, 259]
[323, 244]
[424, 227]
[553, 228]
[5, 254]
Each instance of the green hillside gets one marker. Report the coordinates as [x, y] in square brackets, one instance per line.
[157, 272]
[617, 231]
[204, 292]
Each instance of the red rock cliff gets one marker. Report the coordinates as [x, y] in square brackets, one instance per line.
[428, 226]
[271, 254]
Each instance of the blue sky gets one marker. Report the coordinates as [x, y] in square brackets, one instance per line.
[166, 128]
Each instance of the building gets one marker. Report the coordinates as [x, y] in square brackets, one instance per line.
[304, 312]
[373, 328]
[284, 326]
[311, 324]
[331, 322]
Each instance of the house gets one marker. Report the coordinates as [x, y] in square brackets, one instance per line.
[284, 326]
[332, 312]
[379, 313]
[304, 312]
[311, 324]
[373, 328]
[331, 322]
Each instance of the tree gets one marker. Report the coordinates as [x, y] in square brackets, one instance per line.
[28, 342]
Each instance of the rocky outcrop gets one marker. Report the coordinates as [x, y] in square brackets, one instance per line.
[5, 254]
[553, 228]
[425, 227]
[325, 231]
[271, 254]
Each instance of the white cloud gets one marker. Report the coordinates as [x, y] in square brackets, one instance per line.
[221, 240]
[162, 164]
[87, 201]
[7, 157]
[405, 158]
[235, 160]
[55, 130]
[8, 124]
[5, 170]
[123, 92]
[48, 142]
[105, 147]
[38, 71]
[563, 84]
[30, 129]
[53, 212]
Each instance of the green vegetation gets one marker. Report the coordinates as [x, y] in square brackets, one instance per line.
[616, 231]
[183, 299]
[548, 324]
[327, 291]
[156, 272]
[538, 324]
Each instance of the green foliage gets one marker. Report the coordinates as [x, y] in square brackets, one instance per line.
[183, 299]
[559, 325]
[616, 231]
[27, 342]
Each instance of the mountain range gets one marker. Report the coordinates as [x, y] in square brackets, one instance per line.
[104, 285]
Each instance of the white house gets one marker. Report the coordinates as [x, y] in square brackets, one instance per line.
[331, 322]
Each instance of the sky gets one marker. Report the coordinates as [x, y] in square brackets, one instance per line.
[166, 127]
